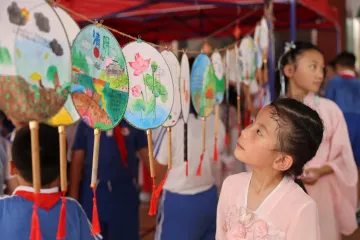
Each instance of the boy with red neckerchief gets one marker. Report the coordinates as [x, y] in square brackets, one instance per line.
[16, 210]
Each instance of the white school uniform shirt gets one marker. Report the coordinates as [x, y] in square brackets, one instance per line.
[177, 182]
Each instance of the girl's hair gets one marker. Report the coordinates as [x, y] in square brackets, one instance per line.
[292, 51]
[300, 132]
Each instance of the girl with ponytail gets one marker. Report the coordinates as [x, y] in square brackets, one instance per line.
[330, 177]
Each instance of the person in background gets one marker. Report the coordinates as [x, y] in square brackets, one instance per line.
[117, 193]
[344, 90]
[16, 210]
[331, 176]
[187, 208]
[11, 181]
[330, 72]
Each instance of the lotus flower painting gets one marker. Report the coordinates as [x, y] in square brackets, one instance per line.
[202, 83]
[34, 60]
[100, 86]
[151, 86]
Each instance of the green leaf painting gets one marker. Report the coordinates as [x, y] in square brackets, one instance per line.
[150, 106]
[138, 105]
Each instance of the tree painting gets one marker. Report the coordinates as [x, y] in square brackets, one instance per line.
[52, 76]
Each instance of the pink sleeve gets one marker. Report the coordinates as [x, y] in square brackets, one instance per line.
[345, 177]
[221, 211]
[305, 225]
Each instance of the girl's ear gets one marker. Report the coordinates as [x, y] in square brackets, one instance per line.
[283, 163]
[289, 70]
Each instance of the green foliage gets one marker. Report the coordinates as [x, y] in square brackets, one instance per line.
[150, 106]
[79, 60]
[138, 105]
[155, 86]
[102, 126]
[164, 98]
[86, 82]
[121, 61]
[5, 57]
[115, 83]
[154, 66]
[50, 75]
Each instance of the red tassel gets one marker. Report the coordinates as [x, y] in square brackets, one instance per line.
[161, 185]
[227, 139]
[215, 150]
[61, 232]
[95, 216]
[153, 201]
[187, 169]
[35, 233]
[198, 172]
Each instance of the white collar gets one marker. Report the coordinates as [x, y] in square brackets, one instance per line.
[31, 189]
[348, 72]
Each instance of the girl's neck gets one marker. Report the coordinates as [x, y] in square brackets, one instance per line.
[296, 92]
[265, 180]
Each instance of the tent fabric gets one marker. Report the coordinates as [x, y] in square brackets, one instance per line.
[156, 20]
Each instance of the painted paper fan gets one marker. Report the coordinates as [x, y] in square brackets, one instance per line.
[247, 57]
[257, 37]
[185, 86]
[35, 72]
[152, 95]
[227, 74]
[35, 60]
[219, 70]
[264, 37]
[202, 85]
[219, 93]
[68, 114]
[152, 91]
[174, 67]
[185, 103]
[238, 67]
[100, 88]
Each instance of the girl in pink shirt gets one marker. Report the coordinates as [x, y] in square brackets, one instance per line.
[267, 203]
[331, 176]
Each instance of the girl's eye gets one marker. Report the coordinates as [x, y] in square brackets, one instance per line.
[258, 132]
[313, 67]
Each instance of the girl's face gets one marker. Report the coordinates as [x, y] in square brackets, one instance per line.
[257, 142]
[308, 73]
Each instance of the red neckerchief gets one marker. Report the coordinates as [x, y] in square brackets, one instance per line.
[120, 141]
[44, 200]
[348, 74]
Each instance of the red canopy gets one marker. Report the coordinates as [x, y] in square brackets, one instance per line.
[156, 20]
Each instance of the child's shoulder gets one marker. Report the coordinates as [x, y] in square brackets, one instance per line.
[73, 204]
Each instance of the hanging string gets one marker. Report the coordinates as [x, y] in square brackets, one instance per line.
[57, 3]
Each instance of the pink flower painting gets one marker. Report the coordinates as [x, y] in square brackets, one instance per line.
[136, 90]
[140, 65]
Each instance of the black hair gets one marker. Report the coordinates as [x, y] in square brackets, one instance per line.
[49, 154]
[332, 64]
[300, 132]
[290, 56]
[346, 59]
